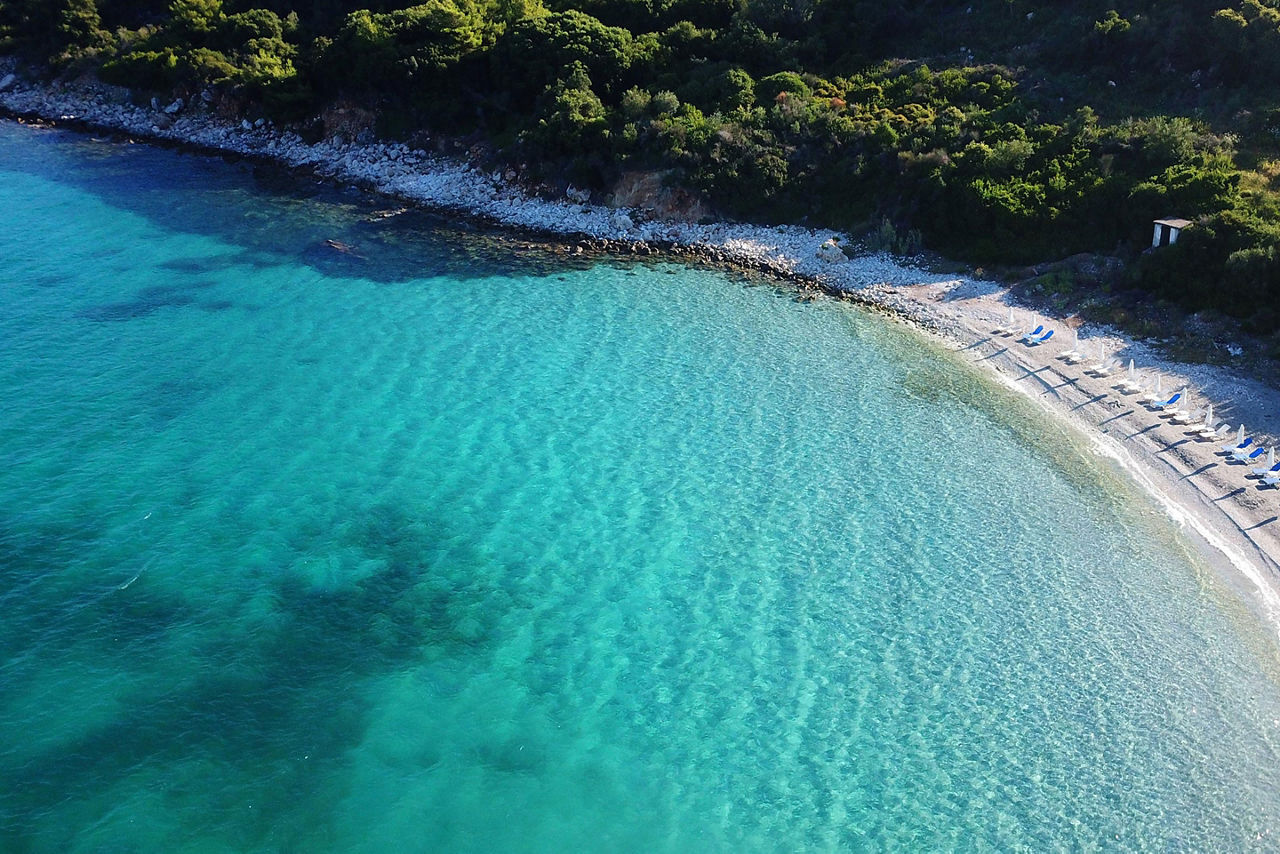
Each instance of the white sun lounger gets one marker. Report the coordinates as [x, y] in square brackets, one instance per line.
[1271, 466]
[1206, 430]
[1008, 328]
[1073, 356]
[1101, 369]
[1247, 455]
[1156, 394]
[1130, 384]
[1241, 442]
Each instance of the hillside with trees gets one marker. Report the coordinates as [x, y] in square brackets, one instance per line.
[993, 131]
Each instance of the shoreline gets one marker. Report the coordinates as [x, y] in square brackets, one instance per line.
[1227, 514]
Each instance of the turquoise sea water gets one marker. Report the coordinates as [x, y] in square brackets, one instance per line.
[445, 546]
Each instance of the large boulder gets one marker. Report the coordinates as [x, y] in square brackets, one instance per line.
[7, 81]
[174, 108]
[831, 252]
[651, 192]
[347, 119]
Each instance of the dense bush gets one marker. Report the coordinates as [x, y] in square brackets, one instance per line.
[1037, 130]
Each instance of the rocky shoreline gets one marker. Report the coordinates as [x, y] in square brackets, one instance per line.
[455, 187]
[1230, 514]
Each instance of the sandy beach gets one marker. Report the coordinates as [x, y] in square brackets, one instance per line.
[1229, 512]
[1225, 507]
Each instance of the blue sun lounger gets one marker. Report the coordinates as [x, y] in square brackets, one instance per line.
[1032, 334]
[1170, 402]
[1231, 449]
[1244, 455]
[1043, 338]
[1265, 471]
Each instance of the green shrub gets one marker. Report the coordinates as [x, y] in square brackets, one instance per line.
[784, 83]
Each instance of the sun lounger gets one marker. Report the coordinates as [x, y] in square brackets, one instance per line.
[1271, 479]
[1240, 446]
[1205, 429]
[1270, 467]
[1247, 455]
[1240, 442]
[1032, 334]
[1036, 342]
[1130, 384]
[1073, 356]
[1156, 393]
[1008, 328]
[1169, 406]
[1101, 369]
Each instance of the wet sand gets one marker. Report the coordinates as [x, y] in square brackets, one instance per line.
[1217, 499]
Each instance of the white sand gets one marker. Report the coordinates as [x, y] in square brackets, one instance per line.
[1218, 500]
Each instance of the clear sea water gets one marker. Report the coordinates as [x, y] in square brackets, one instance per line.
[445, 545]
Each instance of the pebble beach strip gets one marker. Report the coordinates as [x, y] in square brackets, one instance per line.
[449, 185]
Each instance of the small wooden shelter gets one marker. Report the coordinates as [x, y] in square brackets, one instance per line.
[1167, 230]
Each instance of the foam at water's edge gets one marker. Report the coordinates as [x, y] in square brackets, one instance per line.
[1261, 572]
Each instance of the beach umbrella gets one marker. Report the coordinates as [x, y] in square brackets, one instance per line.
[1133, 376]
[1208, 416]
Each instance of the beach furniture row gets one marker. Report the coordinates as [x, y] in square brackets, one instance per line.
[1244, 449]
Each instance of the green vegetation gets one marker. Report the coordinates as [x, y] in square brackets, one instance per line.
[996, 131]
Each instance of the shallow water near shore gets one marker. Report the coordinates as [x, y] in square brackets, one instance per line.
[435, 544]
